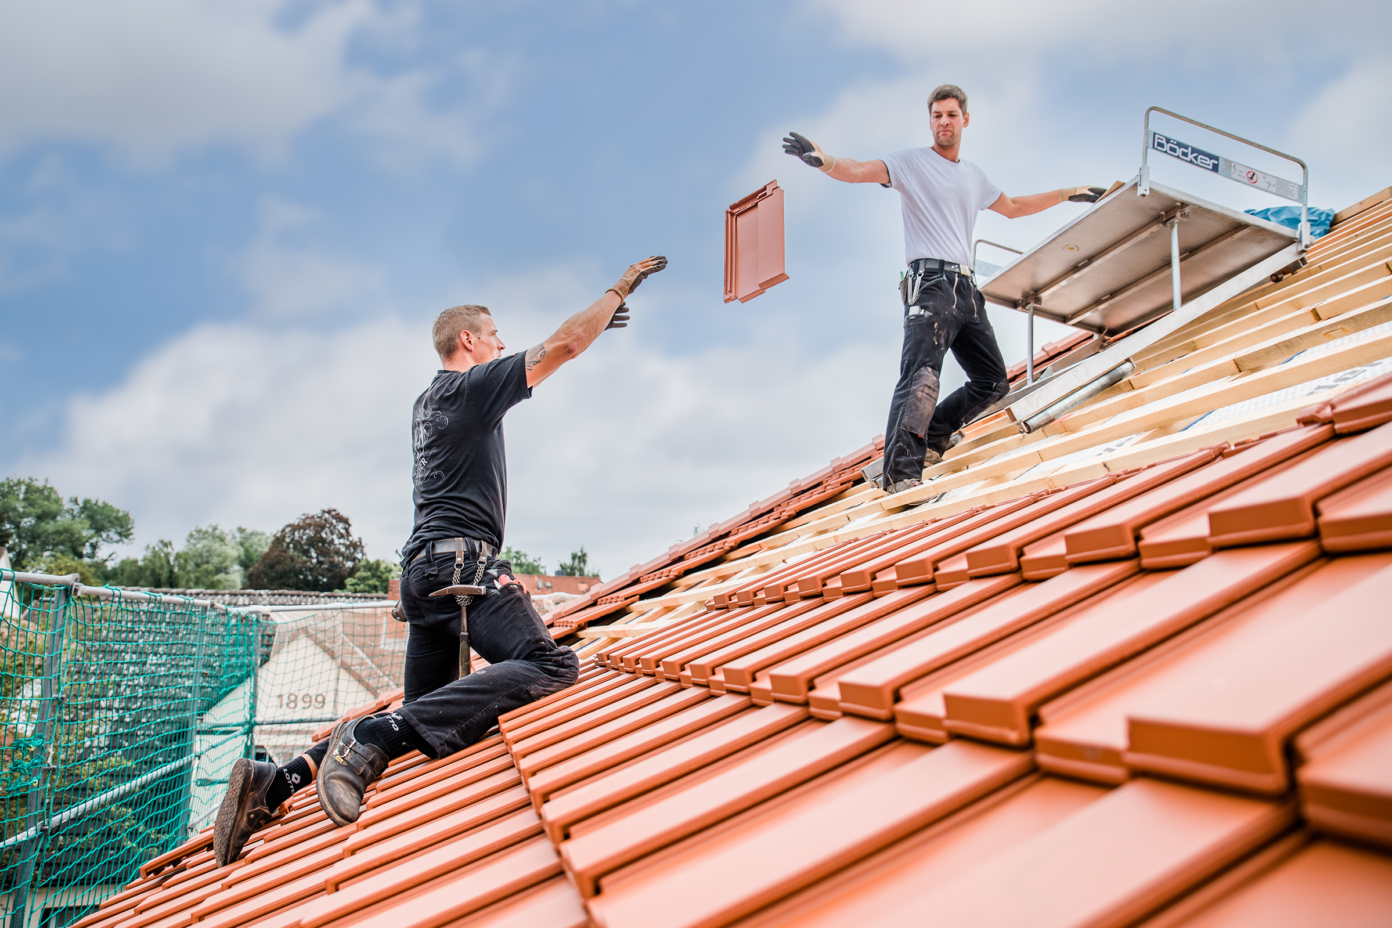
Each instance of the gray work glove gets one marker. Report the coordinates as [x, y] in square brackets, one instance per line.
[620, 318]
[634, 275]
[1084, 194]
[800, 146]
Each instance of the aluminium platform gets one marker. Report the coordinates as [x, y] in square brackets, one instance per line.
[1109, 270]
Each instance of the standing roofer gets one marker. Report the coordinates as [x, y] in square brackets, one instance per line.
[460, 479]
[942, 309]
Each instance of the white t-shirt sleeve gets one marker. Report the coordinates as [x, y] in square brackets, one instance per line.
[989, 191]
[892, 162]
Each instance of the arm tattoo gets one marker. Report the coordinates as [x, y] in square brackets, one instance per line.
[535, 356]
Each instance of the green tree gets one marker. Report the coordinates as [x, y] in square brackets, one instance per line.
[40, 529]
[317, 552]
[372, 577]
[210, 560]
[522, 562]
[158, 569]
[577, 566]
[253, 544]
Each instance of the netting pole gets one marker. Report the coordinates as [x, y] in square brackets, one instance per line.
[195, 705]
[34, 803]
[252, 721]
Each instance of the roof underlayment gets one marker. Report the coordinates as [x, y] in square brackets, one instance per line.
[1134, 667]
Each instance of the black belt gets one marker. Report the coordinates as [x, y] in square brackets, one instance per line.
[932, 265]
[456, 546]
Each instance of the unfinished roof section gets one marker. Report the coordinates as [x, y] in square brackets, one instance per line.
[754, 244]
[1137, 680]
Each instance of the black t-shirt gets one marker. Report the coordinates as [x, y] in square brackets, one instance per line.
[460, 472]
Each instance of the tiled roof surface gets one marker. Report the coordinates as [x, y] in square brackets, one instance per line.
[1142, 680]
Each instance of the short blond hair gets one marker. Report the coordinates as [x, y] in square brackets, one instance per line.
[451, 322]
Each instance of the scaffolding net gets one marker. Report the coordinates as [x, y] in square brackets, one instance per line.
[123, 713]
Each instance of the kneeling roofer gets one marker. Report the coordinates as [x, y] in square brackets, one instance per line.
[460, 478]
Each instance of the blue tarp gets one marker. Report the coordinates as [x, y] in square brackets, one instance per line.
[1289, 216]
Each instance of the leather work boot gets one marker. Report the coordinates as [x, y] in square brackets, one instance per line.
[908, 483]
[348, 768]
[243, 811]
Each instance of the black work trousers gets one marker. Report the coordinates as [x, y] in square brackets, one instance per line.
[524, 662]
[953, 317]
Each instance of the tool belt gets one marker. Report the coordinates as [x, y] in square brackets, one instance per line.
[911, 283]
[459, 546]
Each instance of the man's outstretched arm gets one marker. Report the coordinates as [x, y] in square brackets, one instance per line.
[1015, 207]
[579, 331]
[843, 169]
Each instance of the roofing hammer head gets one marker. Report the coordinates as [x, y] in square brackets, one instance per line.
[460, 589]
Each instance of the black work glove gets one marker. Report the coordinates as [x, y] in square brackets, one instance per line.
[634, 275]
[1086, 194]
[492, 579]
[620, 318]
[800, 146]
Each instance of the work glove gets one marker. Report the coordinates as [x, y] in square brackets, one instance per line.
[1084, 194]
[620, 318]
[493, 580]
[800, 146]
[634, 275]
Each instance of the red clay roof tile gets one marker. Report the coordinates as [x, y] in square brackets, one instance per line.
[871, 690]
[1230, 727]
[1283, 505]
[1358, 517]
[1346, 778]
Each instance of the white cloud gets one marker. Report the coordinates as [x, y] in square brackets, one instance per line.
[290, 279]
[622, 451]
[1000, 34]
[153, 78]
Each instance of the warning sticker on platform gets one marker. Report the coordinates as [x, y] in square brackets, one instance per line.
[1254, 178]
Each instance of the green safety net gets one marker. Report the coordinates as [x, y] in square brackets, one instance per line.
[123, 713]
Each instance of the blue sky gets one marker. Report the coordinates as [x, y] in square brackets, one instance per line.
[226, 226]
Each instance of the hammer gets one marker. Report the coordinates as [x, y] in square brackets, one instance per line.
[462, 590]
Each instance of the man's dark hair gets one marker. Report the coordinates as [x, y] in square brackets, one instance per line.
[948, 92]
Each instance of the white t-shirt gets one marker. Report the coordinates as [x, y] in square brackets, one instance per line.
[940, 199]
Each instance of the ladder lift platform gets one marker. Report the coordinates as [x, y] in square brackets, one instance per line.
[1108, 271]
[1145, 255]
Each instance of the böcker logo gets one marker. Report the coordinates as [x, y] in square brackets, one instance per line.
[1184, 152]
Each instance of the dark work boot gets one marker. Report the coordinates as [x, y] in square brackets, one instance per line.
[243, 811]
[348, 768]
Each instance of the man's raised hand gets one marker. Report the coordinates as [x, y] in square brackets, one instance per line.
[1084, 194]
[620, 318]
[800, 146]
[635, 274]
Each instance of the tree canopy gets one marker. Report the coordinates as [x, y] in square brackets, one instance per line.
[44, 532]
[318, 552]
[577, 566]
[522, 562]
[212, 559]
[372, 577]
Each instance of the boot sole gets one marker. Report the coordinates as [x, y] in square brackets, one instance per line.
[238, 791]
[338, 820]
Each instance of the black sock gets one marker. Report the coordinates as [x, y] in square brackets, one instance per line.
[289, 780]
[392, 734]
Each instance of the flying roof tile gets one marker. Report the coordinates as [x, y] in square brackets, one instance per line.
[841, 707]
